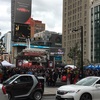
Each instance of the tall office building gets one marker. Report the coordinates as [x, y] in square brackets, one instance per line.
[7, 41]
[95, 30]
[75, 15]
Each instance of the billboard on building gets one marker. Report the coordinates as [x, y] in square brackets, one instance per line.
[21, 32]
[22, 11]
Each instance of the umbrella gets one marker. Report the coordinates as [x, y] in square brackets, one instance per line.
[90, 67]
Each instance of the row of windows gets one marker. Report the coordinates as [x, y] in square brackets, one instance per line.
[78, 22]
[73, 24]
[96, 57]
[75, 16]
[96, 16]
[69, 46]
[96, 9]
[74, 36]
[75, 3]
[79, 7]
[74, 41]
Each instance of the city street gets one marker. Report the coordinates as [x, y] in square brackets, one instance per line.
[48, 98]
[45, 98]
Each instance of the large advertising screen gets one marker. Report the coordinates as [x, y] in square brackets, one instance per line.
[22, 31]
[22, 11]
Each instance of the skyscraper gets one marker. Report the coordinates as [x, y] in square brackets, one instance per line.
[95, 30]
[75, 15]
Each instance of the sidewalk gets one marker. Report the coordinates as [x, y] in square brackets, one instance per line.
[52, 90]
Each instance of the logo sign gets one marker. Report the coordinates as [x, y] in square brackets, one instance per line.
[57, 51]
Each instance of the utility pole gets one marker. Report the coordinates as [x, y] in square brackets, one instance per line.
[81, 34]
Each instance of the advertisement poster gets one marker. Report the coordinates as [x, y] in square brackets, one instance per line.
[22, 11]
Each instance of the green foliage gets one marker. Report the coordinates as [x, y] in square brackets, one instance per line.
[74, 53]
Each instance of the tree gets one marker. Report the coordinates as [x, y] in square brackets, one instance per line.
[74, 53]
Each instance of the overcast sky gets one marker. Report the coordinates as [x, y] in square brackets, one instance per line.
[47, 11]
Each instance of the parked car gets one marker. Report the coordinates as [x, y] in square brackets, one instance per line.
[3, 94]
[86, 89]
[24, 86]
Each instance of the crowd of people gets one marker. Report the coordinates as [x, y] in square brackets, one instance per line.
[51, 75]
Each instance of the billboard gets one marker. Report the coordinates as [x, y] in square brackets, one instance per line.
[21, 32]
[22, 11]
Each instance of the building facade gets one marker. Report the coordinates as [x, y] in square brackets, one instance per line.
[75, 15]
[5, 48]
[36, 27]
[95, 30]
[53, 41]
[7, 41]
[47, 38]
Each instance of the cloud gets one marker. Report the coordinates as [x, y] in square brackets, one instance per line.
[47, 11]
[5, 17]
[50, 12]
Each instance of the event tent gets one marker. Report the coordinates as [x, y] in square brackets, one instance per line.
[90, 67]
[6, 63]
[70, 66]
[97, 67]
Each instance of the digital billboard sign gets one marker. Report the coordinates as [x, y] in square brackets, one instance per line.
[22, 31]
[22, 11]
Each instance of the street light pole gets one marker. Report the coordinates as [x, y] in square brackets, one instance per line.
[81, 34]
[81, 27]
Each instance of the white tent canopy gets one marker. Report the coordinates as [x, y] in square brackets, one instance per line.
[70, 66]
[6, 63]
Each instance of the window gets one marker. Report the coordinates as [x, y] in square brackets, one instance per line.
[96, 9]
[85, 6]
[24, 79]
[98, 82]
[98, 15]
[84, 13]
[84, 20]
